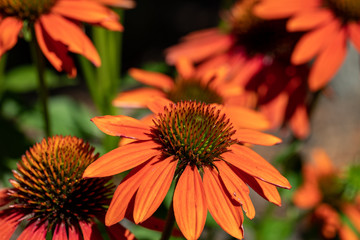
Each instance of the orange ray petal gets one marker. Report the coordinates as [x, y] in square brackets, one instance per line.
[354, 33]
[153, 79]
[9, 220]
[119, 3]
[255, 137]
[36, 231]
[309, 19]
[68, 33]
[299, 122]
[236, 187]
[122, 126]
[228, 214]
[252, 163]
[353, 213]
[137, 98]
[157, 104]
[88, 11]
[323, 163]
[313, 42]
[9, 31]
[54, 51]
[283, 8]
[118, 232]
[185, 68]
[189, 203]
[246, 118]
[122, 159]
[153, 189]
[329, 61]
[89, 231]
[125, 192]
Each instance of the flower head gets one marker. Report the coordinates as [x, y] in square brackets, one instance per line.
[328, 25]
[329, 193]
[56, 27]
[200, 147]
[50, 195]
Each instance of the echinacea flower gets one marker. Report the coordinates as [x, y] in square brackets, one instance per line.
[200, 147]
[51, 198]
[328, 25]
[330, 197]
[56, 27]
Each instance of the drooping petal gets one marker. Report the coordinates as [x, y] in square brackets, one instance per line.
[329, 61]
[4, 197]
[158, 224]
[246, 118]
[36, 231]
[55, 51]
[264, 189]
[313, 42]
[250, 162]
[225, 211]
[236, 187]
[153, 189]
[153, 79]
[189, 203]
[89, 231]
[122, 159]
[309, 19]
[354, 34]
[9, 31]
[118, 232]
[185, 68]
[137, 98]
[122, 126]
[89, 12]
[9, 220]
[68, 33]
[125, 192]
[255, 137]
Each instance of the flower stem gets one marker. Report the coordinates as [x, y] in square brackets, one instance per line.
[2, 73]
[42, 89]
[169, 224]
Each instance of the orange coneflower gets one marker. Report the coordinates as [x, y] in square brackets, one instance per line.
[56, 27]
[201, 148]
[329, 23]
[50, 196]
[329, 194]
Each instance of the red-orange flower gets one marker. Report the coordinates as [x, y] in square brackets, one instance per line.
[329, 24]
[50, 197]
[201, 147]
[322, 191]
[56, 27]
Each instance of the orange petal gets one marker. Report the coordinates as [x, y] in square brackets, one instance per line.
[255, 137]
[323, 163]
[189, 203]
[185, 68]
[329, 61]
[118, 232]
[236, 187]
[88, 11]
[119, 3]
[313, 42]
[9, 220]
[253, 164]
[299, 122]
[354, 33]
[122, 126]
[353, 213]
[283, 8]
[37, 231]
[122, 159]
[125, 192]
[9, 31]
[153, 79]
[157, 104]
[308, 194]
[68, 33]
[226, 212]
[246, 118]
[55, 51]
[153, 189]
[309, 19]
[137, 98]
[89, 231]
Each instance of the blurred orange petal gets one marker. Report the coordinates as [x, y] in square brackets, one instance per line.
[354, 33]
[246, 118]
[37, 230]
[9, 31]
[153, 79]
[185, 68]
[137, 98]
[309, 19]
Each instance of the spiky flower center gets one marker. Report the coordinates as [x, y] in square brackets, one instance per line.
[194, 133]
[193, 90]
[25, 9]
[348, 10]
[49, 184]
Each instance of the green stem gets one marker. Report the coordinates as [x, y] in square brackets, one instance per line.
[2, 73]
[40, 66]
[169, 224]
